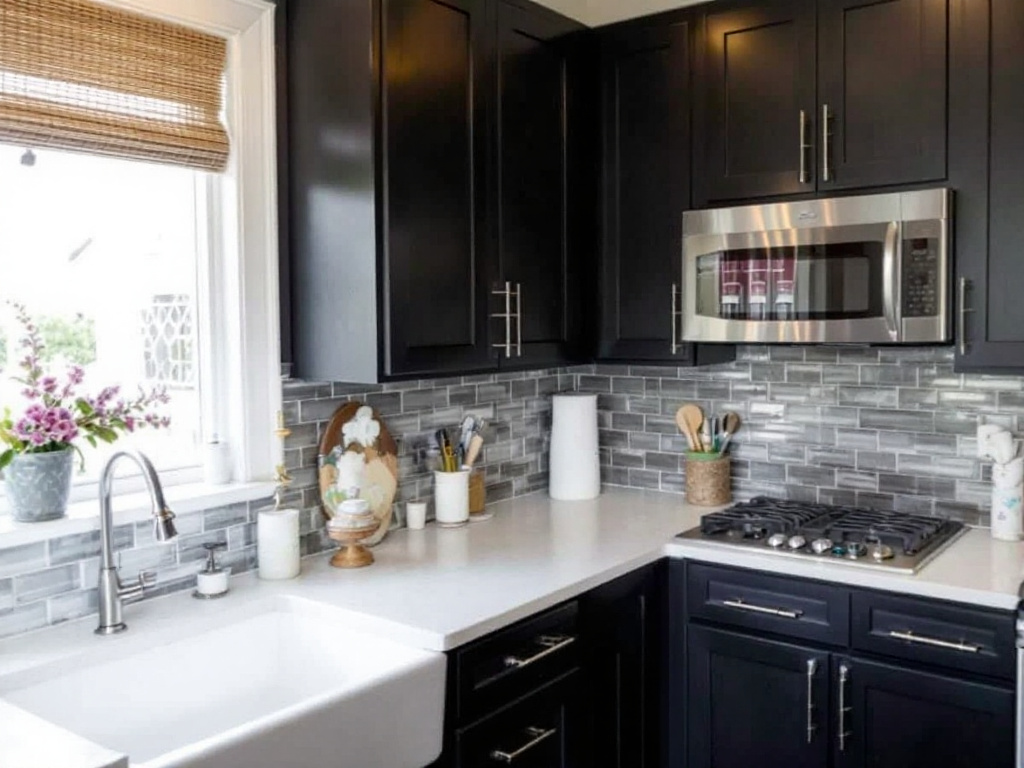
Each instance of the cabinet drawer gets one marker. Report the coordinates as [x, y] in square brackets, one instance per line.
[537, 731]
[784, 606]
[949, 635]
[513, 661]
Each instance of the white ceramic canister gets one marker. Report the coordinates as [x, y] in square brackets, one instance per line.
[451, 498]
[1007, 513]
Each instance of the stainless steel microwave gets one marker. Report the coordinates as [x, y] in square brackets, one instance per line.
[853, 270]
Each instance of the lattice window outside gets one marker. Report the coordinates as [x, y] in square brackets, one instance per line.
[168, 329]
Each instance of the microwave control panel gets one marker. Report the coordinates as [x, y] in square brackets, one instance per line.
[920, 285]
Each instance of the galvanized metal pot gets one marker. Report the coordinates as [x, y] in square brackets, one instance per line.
[38, 485]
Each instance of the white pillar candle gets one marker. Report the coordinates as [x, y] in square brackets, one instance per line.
[277, 544]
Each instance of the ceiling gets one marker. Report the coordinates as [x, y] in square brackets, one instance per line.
[597, 12]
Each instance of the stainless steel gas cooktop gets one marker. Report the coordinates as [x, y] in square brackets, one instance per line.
[848, 535]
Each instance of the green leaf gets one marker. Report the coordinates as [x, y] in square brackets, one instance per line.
[6, 458]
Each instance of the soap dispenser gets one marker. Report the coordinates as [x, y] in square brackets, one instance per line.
[212, 581]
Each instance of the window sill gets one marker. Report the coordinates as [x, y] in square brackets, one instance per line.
[83, 516]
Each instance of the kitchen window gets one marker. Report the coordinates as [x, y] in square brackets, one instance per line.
[142, 269]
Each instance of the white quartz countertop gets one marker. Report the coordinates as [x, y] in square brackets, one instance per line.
[437, 589]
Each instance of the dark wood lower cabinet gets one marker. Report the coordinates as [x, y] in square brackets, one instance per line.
[625, 626]
[541, 730]
[902, 718]
[755, 702]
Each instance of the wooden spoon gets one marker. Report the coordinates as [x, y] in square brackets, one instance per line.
[688, 419]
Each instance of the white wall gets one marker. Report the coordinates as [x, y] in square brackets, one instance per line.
[597, 12]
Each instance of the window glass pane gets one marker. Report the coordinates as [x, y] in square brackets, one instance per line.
[103, 253]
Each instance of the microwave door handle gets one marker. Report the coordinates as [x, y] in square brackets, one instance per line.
[891, 280]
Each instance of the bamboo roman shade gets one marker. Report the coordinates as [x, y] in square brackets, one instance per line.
[81, 76]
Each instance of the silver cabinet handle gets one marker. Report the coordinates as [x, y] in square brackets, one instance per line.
[549, 643]
[890, 279]
[744, 606]
[519, 319]
[675, 318]
[507, 317]
[826, 144]
[844, 734]
[910, 637]
[962, 311]
[812, 667]
[537, 735]
[805, 146]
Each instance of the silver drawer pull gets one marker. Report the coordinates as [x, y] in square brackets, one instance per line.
[537, 735]
[744, 606]
[910, 637]
[550, 644]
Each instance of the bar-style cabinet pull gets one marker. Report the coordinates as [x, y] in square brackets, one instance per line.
[537, 735]
[784, 613]
[844, 733]
[805, 147]
[826, 143]
[910, 637]
[812, 667]
[549, 644]
[675, 318]
[519, 319]
[506, 317]
[962, 311]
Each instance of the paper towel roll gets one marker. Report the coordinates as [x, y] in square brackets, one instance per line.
[277, 544]
[575, 471]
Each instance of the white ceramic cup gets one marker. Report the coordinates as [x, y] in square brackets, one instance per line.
[416, 515]
[451, 498]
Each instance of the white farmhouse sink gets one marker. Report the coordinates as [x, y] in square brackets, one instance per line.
[288, 685]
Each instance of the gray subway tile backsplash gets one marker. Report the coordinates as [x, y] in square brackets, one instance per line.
[886, 427]
[892, 427]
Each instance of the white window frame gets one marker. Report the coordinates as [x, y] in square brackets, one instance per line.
[240, 356]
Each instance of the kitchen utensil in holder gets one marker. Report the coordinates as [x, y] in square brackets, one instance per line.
[708, 479]
[477, 496]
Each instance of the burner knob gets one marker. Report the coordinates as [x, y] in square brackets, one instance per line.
[855, 550]
[797, 542]
[882, 552]
[821, 546]
[776, 540]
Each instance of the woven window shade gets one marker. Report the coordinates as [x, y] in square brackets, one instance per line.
[81, 76]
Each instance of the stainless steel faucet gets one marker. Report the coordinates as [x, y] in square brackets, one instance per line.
[112, 594]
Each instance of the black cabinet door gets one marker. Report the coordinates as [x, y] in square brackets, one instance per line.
[624, 625]
[753, 701]
[756, 74]
[986, 153]
[542, 730]
[434, 126]
[882, 83]
[901, 718]
[646, 147]
[534, 236]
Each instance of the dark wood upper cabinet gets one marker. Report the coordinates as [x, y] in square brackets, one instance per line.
[435, 254]
[803, 97]
[902, 718]
[534, 234]
[645, 116]
[882, 79]
[986, 130]
[431, 159]
[756, 75]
